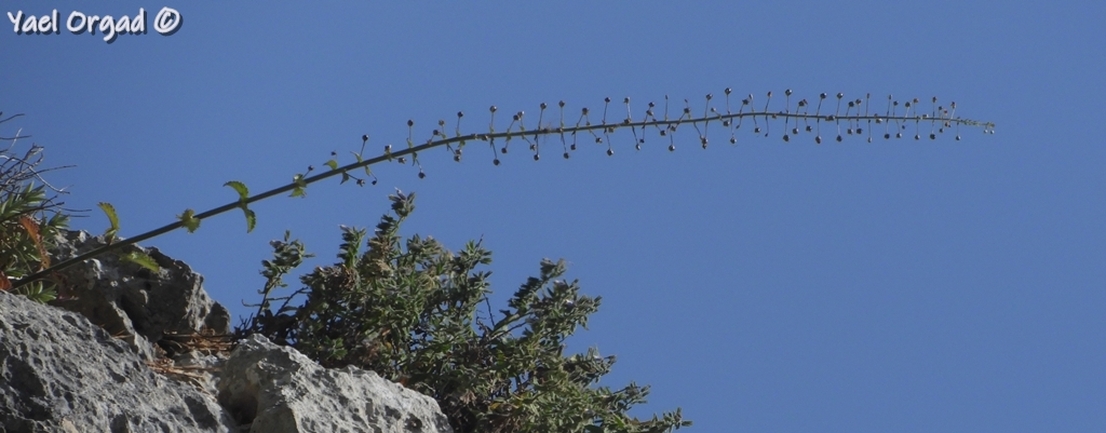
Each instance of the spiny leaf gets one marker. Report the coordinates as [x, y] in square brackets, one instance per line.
[142, 259]
[31, 227]
[243, 192]
[189, 220]
[113, 219]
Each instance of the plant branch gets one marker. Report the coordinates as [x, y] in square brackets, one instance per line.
[940, 116]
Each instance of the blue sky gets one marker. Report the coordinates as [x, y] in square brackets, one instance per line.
[909, 286]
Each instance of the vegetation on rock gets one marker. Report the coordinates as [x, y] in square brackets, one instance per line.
[419, 314]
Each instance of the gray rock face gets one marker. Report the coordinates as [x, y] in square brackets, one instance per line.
[280, 390]
[130, 301]
[58, 372]
[86, 369]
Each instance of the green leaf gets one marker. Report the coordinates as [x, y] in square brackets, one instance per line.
[345, 177]
[243, 192]
[243, 196]
[332, 164]
[251, 219]
[189, 220]
[141, 259]
[301, 186]
[369, 172]
[113, 219]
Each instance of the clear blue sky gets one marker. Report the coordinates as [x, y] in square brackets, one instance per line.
[769, 287]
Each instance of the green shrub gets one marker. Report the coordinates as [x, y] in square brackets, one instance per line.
[28, 219]
[412, 312]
